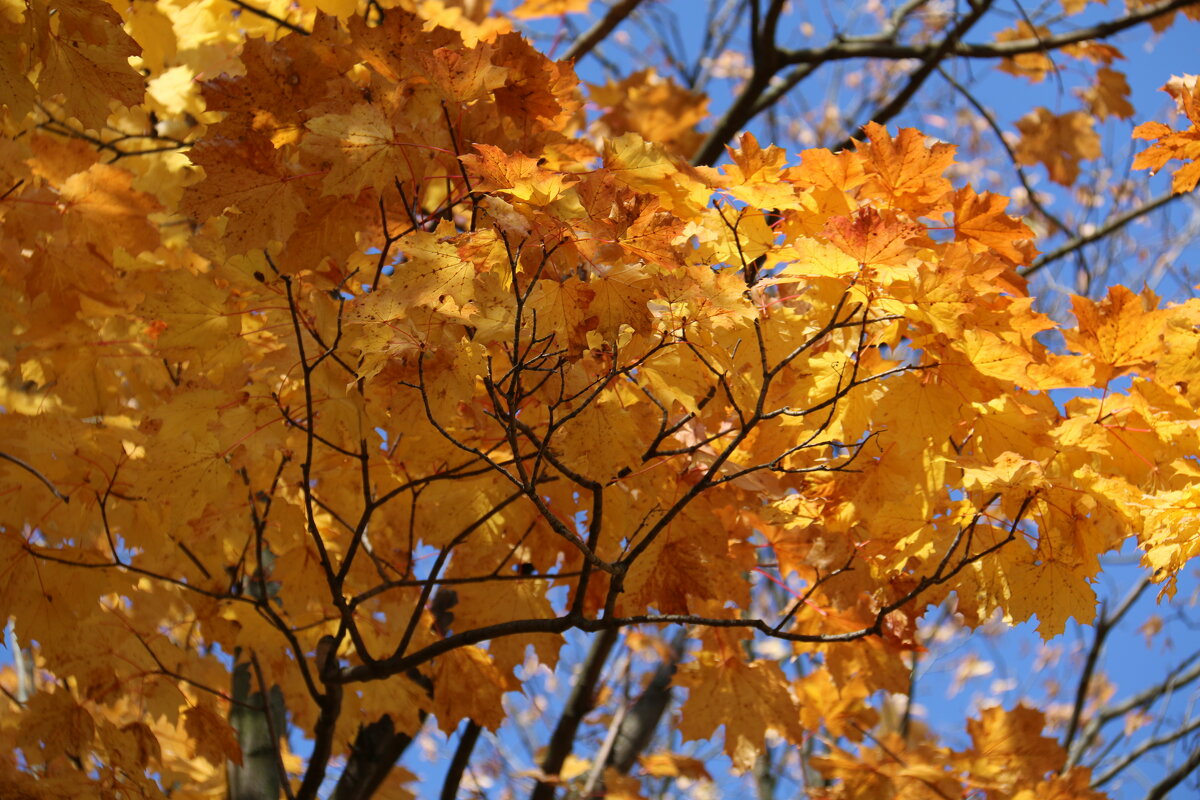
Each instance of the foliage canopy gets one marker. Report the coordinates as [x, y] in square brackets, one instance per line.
[349, 362]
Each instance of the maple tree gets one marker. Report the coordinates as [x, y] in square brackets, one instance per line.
[353, 363]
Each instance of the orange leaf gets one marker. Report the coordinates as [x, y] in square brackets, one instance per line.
[905, 171]
[1059, 141]
[747, 699]
[1110, 96]
[1172, 145]
[872, 237]
[516, 175]
[55, 723]
[211, 736]
[979, 219]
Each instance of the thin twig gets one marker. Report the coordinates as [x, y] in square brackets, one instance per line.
[1104, 626]
[53, 489]
[990, 119]
[258, 12]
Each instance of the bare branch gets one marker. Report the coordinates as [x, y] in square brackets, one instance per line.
[930, 62]
[1175, 777]
[603, 27]
[874, 47]
[581, 701]
[1117, 767]
[1111, 226]
[462, 757]
[1104, 626]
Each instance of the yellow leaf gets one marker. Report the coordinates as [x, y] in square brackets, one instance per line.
[906, 171]
[1174, 145]
[212, 738]
[1008, 746]
[54, 724]
[87, 60]
[656, 108]
[469, 686]
[673, 765]
[533, 9]
[1033, 65]
[1121, 332]
[747, 699]
[520, 177]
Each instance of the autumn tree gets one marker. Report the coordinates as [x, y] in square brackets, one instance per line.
[366, 373]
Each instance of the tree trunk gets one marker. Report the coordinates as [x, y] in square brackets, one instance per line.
[257, 777]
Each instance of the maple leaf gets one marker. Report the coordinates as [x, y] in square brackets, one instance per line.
[1008, 746]
[1121, 332]
[516, 175]
[873, 238]
[840, 710]
[645, 166]
[105, 210]
[366, 149]
[1059, 141]
[55, 724]
[1110, 96]
[674, 765]
[979, 219]
[212, 737]
[654, 107]
[532, 9]
[752, 697]
[253, 185]
[463, 77]
[1033, 66]
[904, 171]
[17, 91]
[85, 58]
[474, 688]
[1174, 145]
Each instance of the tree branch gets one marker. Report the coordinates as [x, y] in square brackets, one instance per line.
[874, 47]
[376, 749]
[603, 27]
[462, 757]
[1113, 224]
[930, 62]
[990, 119]
[1117, 767]
[580, 702]
[1176, 777]
[1104, 626]
[258, 12]
[637, 728]
[46, 481]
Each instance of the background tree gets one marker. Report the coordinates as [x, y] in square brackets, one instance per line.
[356, 359]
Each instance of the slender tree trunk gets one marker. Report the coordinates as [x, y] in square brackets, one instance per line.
[257, 777]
